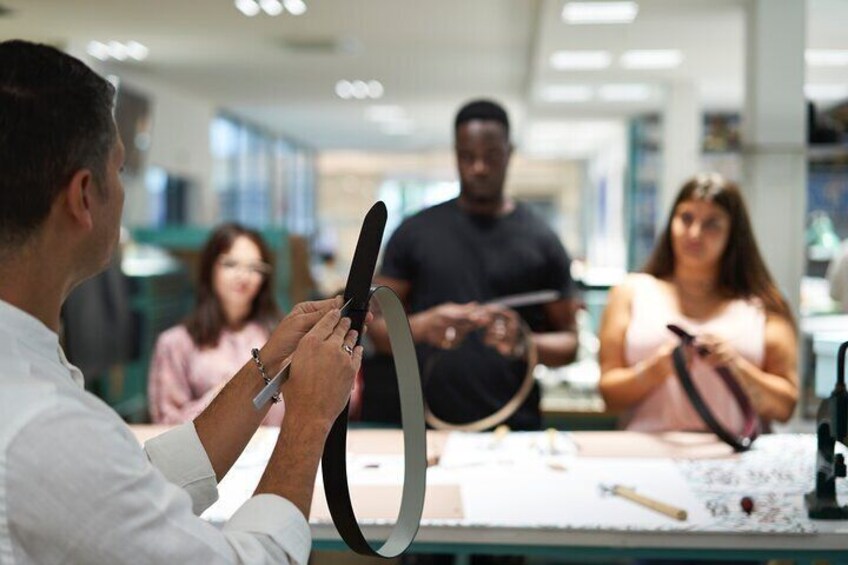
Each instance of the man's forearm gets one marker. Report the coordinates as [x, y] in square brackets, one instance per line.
[229, 422]
[556, 348]
[291, 471]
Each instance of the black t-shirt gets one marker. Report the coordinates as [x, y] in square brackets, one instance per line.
[448, 255]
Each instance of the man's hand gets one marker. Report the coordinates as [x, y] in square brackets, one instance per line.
[292, 328]
[322, 371]
[446, 325]
[503, 330]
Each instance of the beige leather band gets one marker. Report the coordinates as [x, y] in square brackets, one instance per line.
[502, 414]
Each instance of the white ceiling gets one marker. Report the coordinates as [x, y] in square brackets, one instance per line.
[430, 56]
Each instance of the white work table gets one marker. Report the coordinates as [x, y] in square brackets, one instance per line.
[531, 493]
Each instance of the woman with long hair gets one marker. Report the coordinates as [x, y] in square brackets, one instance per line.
[707, 276]
[235, 312]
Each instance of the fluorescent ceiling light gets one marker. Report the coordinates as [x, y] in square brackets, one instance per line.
[271, 7]
[624, 92]
[651, 59]
[344, 89]
[137, 51]
[385, 113]
[295, 7]
[826, 57]
[566, 93]
[98, 50]
[599, 12]
[118, 50]
[247, 7]
[580, 60]
[359, 89]
[375, 89]
[826, 92]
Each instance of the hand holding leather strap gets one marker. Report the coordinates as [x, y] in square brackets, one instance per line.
[750, 428]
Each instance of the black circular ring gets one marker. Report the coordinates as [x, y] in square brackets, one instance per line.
[750, 428]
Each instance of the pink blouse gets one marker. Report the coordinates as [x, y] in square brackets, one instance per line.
[667, 408]
[184, 379]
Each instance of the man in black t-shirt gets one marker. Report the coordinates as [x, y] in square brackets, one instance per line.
[446, 262]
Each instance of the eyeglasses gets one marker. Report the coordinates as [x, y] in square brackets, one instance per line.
[255, 268]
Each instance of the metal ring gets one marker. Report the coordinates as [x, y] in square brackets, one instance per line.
[347, 349]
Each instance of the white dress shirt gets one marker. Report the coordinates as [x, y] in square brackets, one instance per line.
[75, 487]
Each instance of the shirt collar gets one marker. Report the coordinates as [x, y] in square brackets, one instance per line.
[36, 336]
[27, 327]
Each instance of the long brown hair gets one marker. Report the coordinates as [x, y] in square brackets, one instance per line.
[207, 320]
[742, 272]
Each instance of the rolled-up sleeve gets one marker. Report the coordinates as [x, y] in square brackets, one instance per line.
[79, 489]
[180, 456]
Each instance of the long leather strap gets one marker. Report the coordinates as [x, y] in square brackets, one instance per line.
[750, 428]
[334, 462]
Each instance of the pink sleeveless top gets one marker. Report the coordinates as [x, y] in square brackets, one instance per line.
[741, 322]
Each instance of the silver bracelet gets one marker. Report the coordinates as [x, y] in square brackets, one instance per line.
[259, 365]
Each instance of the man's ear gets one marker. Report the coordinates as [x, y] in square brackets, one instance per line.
[80, 195]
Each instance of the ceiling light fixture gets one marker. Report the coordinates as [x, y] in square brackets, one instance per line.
[251, 8]
[599, 12]
[359, 89]
[344, 89]
[295, 7]
[248, 7]
[271, 7]
[137, 51]
[826, 57]
[566, 93]
[98, 50]
[117, 50]
[624, 92]
[375, 89]
[651, 59]
[580, 60]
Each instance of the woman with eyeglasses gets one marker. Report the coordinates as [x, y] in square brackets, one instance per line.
[235, 312]
[707, 276]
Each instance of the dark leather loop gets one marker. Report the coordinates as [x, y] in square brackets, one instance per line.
[334, 460]
[750, 429]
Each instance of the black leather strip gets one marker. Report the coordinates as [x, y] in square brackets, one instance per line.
[358, 288]
[334, 461]
[750, 428]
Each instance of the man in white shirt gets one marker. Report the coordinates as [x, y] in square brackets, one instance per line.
[75, 487]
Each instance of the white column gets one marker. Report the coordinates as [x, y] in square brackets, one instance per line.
[774, 164]
[681, 143]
